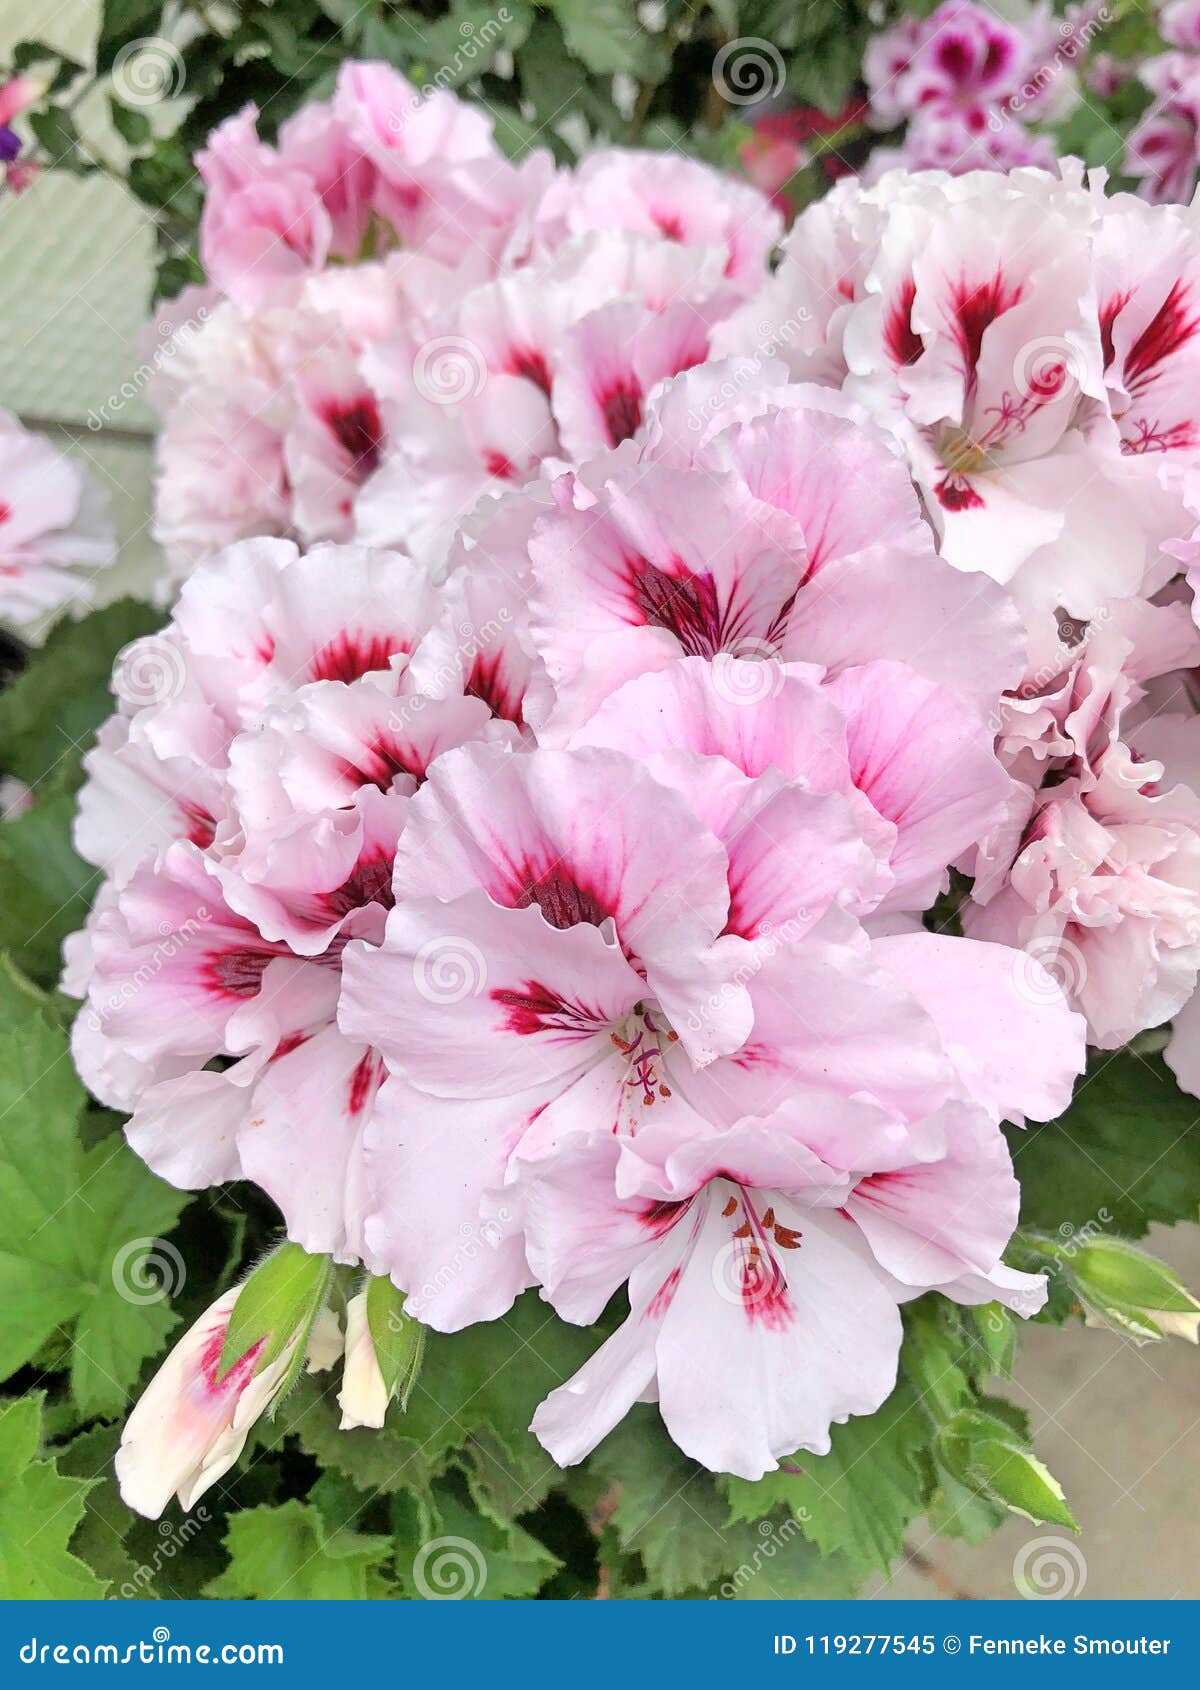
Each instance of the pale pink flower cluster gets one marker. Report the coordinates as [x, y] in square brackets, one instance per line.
[526, 879]
[560, 925]
[501, 322]
[1033, 348]
[55, 529]
[967, 83]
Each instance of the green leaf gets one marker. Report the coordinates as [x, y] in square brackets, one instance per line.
[604, 35]
[50, 713]
[287, 1553]
[1125, 1154]
[398, 1339]
[129, 1269]
[132, 126]
[48, 888]
[100, 1538]
[862, 1496]
[281, 1298]
[123, 21]
[467, 1555]
[476, 1394]
[57, 135]
[669, 1512]
[76, 1228]
[988, 1455]
[39, 1511]
[935, 1357]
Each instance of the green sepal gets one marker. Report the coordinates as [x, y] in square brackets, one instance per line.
[990, 1457]
[398, 1339]
[276, 1306]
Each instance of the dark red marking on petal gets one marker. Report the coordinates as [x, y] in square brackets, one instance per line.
[201, 827]
[956, 494]
[664, 1296]
[286, 1046]
[238, 973]
[954, 56]
[975, 309]
[685, 604]
[764, 1289]
[668, 223]
[242, 1371]
[369, 882]
[364, 1082]
[621, 405]
[5, 511]
[1145, 435]
[902, 342]
[1172, 326]
[383, 759]
[535, 1008]
[533, 366]
[486, 682]
[358, 429]
[1108, 322]
[660, 1216]
[497, 464]
[560, 897]
[352, 654]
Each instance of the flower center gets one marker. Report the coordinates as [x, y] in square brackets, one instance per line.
[642, 1042]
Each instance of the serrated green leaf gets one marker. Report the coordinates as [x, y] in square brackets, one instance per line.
[131, 125]
[475, 1397]
[131, 1273]
[74, 1226]
[39, 1511]
[935, 1357]
[604, 35]
[862, 1496]
[469, 1556]
[50, 713]
[671, 1514]
[1125, 1154]
[287, 1553]
[48, 888]
[100, 1538]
